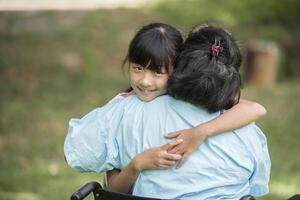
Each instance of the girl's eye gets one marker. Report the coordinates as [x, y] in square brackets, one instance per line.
[137, 68]
[160, 73]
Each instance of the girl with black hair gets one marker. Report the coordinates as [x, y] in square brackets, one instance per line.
[152, 58]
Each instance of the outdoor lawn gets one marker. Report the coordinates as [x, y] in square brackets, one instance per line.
[60, 65]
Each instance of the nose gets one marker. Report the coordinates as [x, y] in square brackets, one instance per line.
[146, 80]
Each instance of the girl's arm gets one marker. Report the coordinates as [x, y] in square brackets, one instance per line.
[154, 158]
[238, 116]
[121, 181]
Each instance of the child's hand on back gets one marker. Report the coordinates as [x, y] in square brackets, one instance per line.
[156, 158]
[192, 139]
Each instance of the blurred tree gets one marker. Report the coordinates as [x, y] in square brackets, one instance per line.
[268, 20]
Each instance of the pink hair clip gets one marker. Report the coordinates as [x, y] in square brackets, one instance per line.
[216, 48]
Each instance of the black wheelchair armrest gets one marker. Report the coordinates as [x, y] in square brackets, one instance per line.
[247, 197]
[86, 190]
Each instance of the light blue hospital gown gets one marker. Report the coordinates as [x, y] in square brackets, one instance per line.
[226, 166]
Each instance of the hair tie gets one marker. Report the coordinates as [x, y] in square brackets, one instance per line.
[216, 48]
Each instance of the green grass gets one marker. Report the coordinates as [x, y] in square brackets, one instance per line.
[58, 65]
[282, 128]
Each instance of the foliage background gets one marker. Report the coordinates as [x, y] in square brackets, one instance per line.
[57, 65]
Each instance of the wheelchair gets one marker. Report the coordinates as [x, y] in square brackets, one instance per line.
[102, 194]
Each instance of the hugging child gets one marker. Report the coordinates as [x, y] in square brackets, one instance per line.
[155, 67]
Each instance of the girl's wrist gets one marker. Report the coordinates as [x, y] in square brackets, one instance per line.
[205, 130]
[135, 164]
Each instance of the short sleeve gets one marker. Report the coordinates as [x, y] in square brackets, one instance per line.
[259, 179]
[89, 144]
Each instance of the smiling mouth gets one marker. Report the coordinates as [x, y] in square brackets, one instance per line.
[145, 91]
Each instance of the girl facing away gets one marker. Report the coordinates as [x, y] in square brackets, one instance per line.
[154, 68]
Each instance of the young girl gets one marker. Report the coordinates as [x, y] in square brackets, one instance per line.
[151, 57]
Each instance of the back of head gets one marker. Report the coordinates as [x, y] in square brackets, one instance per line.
[207, 71]
[155, 46]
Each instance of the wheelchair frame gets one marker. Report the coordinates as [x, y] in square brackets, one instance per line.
[102, 194]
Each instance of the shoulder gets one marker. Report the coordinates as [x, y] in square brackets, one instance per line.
[251, 131]
[190, 112]
[119, 97]
[253, 138]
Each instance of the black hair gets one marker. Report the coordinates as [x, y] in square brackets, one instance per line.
[206, 78]
[155, 46]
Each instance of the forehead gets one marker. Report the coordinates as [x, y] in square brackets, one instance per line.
[151, 68]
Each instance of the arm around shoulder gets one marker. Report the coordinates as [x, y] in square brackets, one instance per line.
[254, 107]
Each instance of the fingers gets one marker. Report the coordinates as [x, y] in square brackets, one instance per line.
[179, 152]
[175, 149]
[172, 134]
[169, 160]
[169, 156]
[168, 163]
[171, 144]
[182, 161]
[165, 166]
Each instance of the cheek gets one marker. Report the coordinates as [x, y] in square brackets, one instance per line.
[132, 77]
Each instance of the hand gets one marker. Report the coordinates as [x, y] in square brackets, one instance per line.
[192, 138]
[156, 158]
